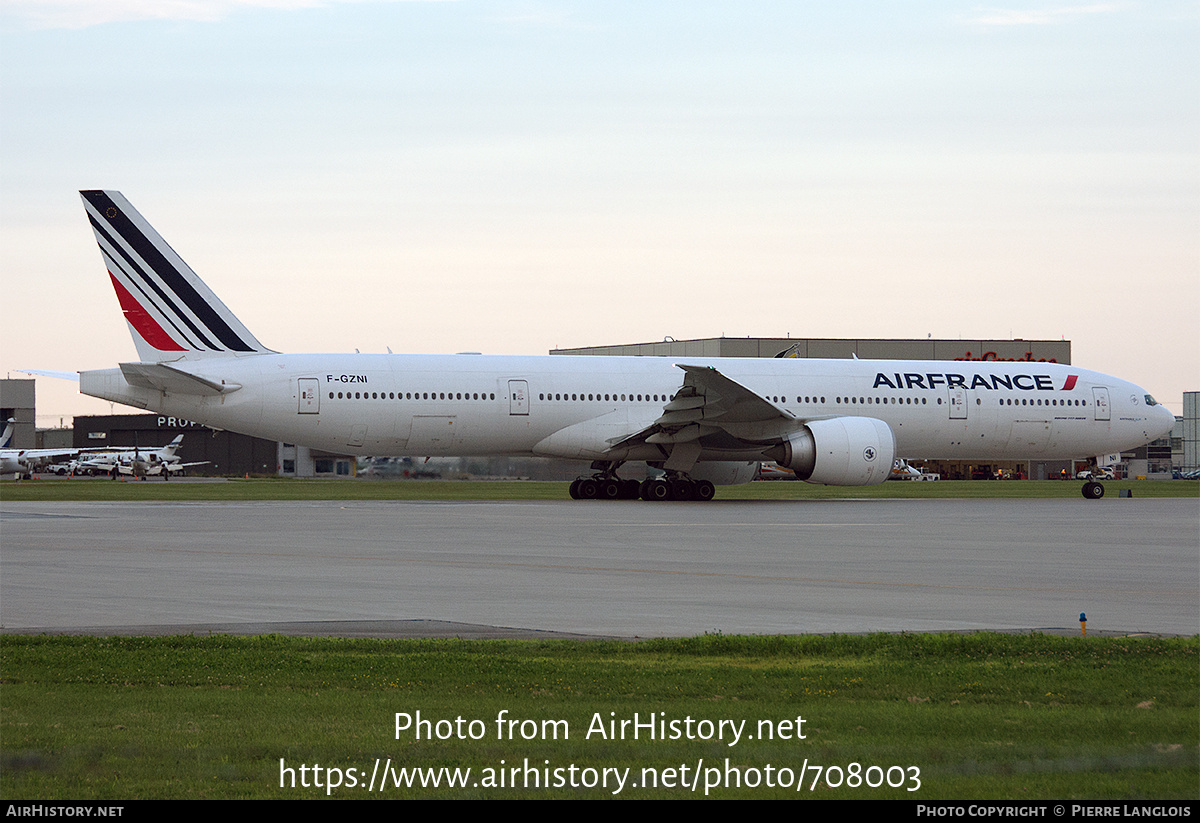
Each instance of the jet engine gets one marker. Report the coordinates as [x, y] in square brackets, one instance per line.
[844, 451]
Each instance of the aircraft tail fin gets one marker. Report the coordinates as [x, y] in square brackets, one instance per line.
[6, 438]
[171, 448]
[171, 313]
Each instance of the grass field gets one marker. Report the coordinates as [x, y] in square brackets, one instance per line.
[285, 489]
[983, 716]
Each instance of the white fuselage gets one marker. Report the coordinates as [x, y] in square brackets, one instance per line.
[377, 404]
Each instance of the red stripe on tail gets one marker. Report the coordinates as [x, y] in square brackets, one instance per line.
[142, 322]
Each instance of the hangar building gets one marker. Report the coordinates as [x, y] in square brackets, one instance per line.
[17, 403]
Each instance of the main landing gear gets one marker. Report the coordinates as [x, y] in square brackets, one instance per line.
[674, 486]
[603, 487]
[1093, 490]
[677, 487]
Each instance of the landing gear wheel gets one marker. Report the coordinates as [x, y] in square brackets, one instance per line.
[657, 489]
[1093, 490]
[704, 490]
[682, 489]
[610, 489]
[588, 489]
[574, 490]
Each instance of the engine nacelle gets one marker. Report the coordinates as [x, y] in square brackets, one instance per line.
[844, 451]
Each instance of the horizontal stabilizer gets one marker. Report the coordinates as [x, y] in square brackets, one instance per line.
[161, 377]
[61, 375]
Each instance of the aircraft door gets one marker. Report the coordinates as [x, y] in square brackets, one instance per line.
[1100, 402]
[310, 396]
[518, 397]
[958, 404]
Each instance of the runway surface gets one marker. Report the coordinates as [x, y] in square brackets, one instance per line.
[615, 569]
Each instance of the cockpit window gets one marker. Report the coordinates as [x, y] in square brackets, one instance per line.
[1150, 401]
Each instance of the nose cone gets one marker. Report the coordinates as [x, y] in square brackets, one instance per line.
[1164, 421]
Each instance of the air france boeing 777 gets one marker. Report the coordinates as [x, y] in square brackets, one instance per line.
[701, 421]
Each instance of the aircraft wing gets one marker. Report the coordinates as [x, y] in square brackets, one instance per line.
[155, 469]
[730, 417]
[106, 464]
[40, 454]
[21, 460]
[716, 415]
[709, 403]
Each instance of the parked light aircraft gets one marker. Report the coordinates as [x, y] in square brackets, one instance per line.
[901, 470]
[126, 460]
[140, 462]
[24, 462]
[701, 421]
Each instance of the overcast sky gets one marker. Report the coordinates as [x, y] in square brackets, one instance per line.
[508, 177]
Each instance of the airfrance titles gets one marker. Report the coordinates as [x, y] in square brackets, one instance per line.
[992, 382]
